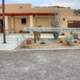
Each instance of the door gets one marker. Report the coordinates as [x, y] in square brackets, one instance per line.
[74, 24]
[1, 25]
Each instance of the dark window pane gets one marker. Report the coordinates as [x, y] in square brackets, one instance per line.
[23, 20]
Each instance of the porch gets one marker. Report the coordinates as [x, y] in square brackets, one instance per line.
[18, 22]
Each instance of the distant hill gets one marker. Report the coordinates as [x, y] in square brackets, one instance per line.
[77, 12]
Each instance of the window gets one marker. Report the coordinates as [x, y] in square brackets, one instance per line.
[23, 20]
[63, 19]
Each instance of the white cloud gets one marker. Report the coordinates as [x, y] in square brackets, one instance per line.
[66, 3]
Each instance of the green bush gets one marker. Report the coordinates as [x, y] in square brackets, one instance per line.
[68, 39]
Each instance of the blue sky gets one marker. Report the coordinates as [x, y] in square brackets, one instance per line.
[65, 3]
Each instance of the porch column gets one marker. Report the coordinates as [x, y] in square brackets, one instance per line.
[6, 24]
[50, 21]
[12, 24]
[35, 19]
[31, 21]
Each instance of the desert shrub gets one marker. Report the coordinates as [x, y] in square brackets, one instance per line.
[68, 39]
[56, 35]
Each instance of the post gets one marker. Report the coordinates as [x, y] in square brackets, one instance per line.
[6, 22]
[50, 21]
[3, 15]
[31, 20]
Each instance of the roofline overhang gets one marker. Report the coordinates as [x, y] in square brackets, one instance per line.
[27, 14]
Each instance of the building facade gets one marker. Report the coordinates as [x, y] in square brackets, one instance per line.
[19, 17]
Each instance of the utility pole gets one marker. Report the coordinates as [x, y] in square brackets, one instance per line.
[3, 15]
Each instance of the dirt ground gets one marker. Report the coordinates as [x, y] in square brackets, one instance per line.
[49, 44]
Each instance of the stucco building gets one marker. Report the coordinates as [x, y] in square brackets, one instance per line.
[21, 16]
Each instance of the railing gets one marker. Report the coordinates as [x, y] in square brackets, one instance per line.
[50, 29]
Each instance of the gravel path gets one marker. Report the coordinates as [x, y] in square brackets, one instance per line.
[40, 65]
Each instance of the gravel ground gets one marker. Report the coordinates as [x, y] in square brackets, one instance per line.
[49, 44]
[40, 64]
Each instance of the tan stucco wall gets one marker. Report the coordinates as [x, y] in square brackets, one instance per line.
[38, 21]
[76, 18]
[14, 22]
[42, 21]
[16, 8]
[27, 8]
[19, 26]
[64, 23]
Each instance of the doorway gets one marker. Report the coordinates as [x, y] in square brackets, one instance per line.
[74, 24]
[1, 25]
